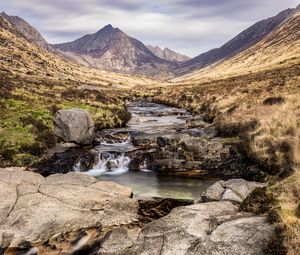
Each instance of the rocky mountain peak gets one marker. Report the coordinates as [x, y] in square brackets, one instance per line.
[167, 54]
[112, 49]
[108, 27]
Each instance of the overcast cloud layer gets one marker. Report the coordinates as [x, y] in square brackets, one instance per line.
[187, 26]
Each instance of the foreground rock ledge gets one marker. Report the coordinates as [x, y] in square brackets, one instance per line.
[34, 208]
[214, 228]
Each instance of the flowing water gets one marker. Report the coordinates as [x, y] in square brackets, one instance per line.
[115, 154]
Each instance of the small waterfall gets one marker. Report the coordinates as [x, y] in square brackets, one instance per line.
[77, 167]
[110, 163]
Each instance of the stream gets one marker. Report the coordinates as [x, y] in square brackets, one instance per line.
[119, 148]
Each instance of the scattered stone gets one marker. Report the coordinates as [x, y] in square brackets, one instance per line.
[214, 192]
[231, 196]
[235, 190]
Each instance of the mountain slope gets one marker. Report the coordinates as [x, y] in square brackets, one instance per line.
[111, 49]
[167, 54]
[24, 59]
[29, 32]
[278, 49]
[241, 42]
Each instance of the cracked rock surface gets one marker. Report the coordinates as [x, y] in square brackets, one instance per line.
[34, 209]
[213, 228]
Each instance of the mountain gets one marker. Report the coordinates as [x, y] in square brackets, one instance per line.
[241, 42]
[6, 25]
[29, 32]
[279, 49]
[111, 49]
[24, 60]
[167, 54]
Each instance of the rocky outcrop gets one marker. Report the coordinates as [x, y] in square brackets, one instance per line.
[235, 190]
[74, 125]
[206, 229]
[35, 209]
[195, 152]
[76, 214]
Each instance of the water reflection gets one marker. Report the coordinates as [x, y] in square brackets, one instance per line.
[148, 184]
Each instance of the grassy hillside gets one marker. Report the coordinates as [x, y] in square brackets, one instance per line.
[34, 84]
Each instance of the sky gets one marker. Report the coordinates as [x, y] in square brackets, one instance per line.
[189, 27]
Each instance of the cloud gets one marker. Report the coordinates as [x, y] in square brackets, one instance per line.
[188, 26]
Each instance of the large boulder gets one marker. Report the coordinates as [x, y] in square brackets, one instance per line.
[35, 209]
[74, 125]
[213, 228]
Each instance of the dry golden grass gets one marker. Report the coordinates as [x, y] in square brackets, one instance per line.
[288, 193]
[277, 139]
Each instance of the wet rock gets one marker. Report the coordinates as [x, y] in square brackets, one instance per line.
[64, 161]
[155, 208]
[35, 209]
[184, 153]
[74, 125]
[196, 121]
[196, 132]
[59, 148]
[235, 190]
[163, 141]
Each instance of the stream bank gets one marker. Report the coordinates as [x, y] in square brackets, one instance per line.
[162, 152]
[172, 203]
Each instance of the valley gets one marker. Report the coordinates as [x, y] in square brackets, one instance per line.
[191, 155]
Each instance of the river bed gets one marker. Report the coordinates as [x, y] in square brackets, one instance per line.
[116, 147]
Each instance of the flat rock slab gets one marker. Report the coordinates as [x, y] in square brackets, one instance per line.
[35, 209]
[214, 228]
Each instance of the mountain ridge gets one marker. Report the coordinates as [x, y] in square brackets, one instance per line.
[28, 31]
[111, 49]
[168, 54]
[279, 48]
[242, 41]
